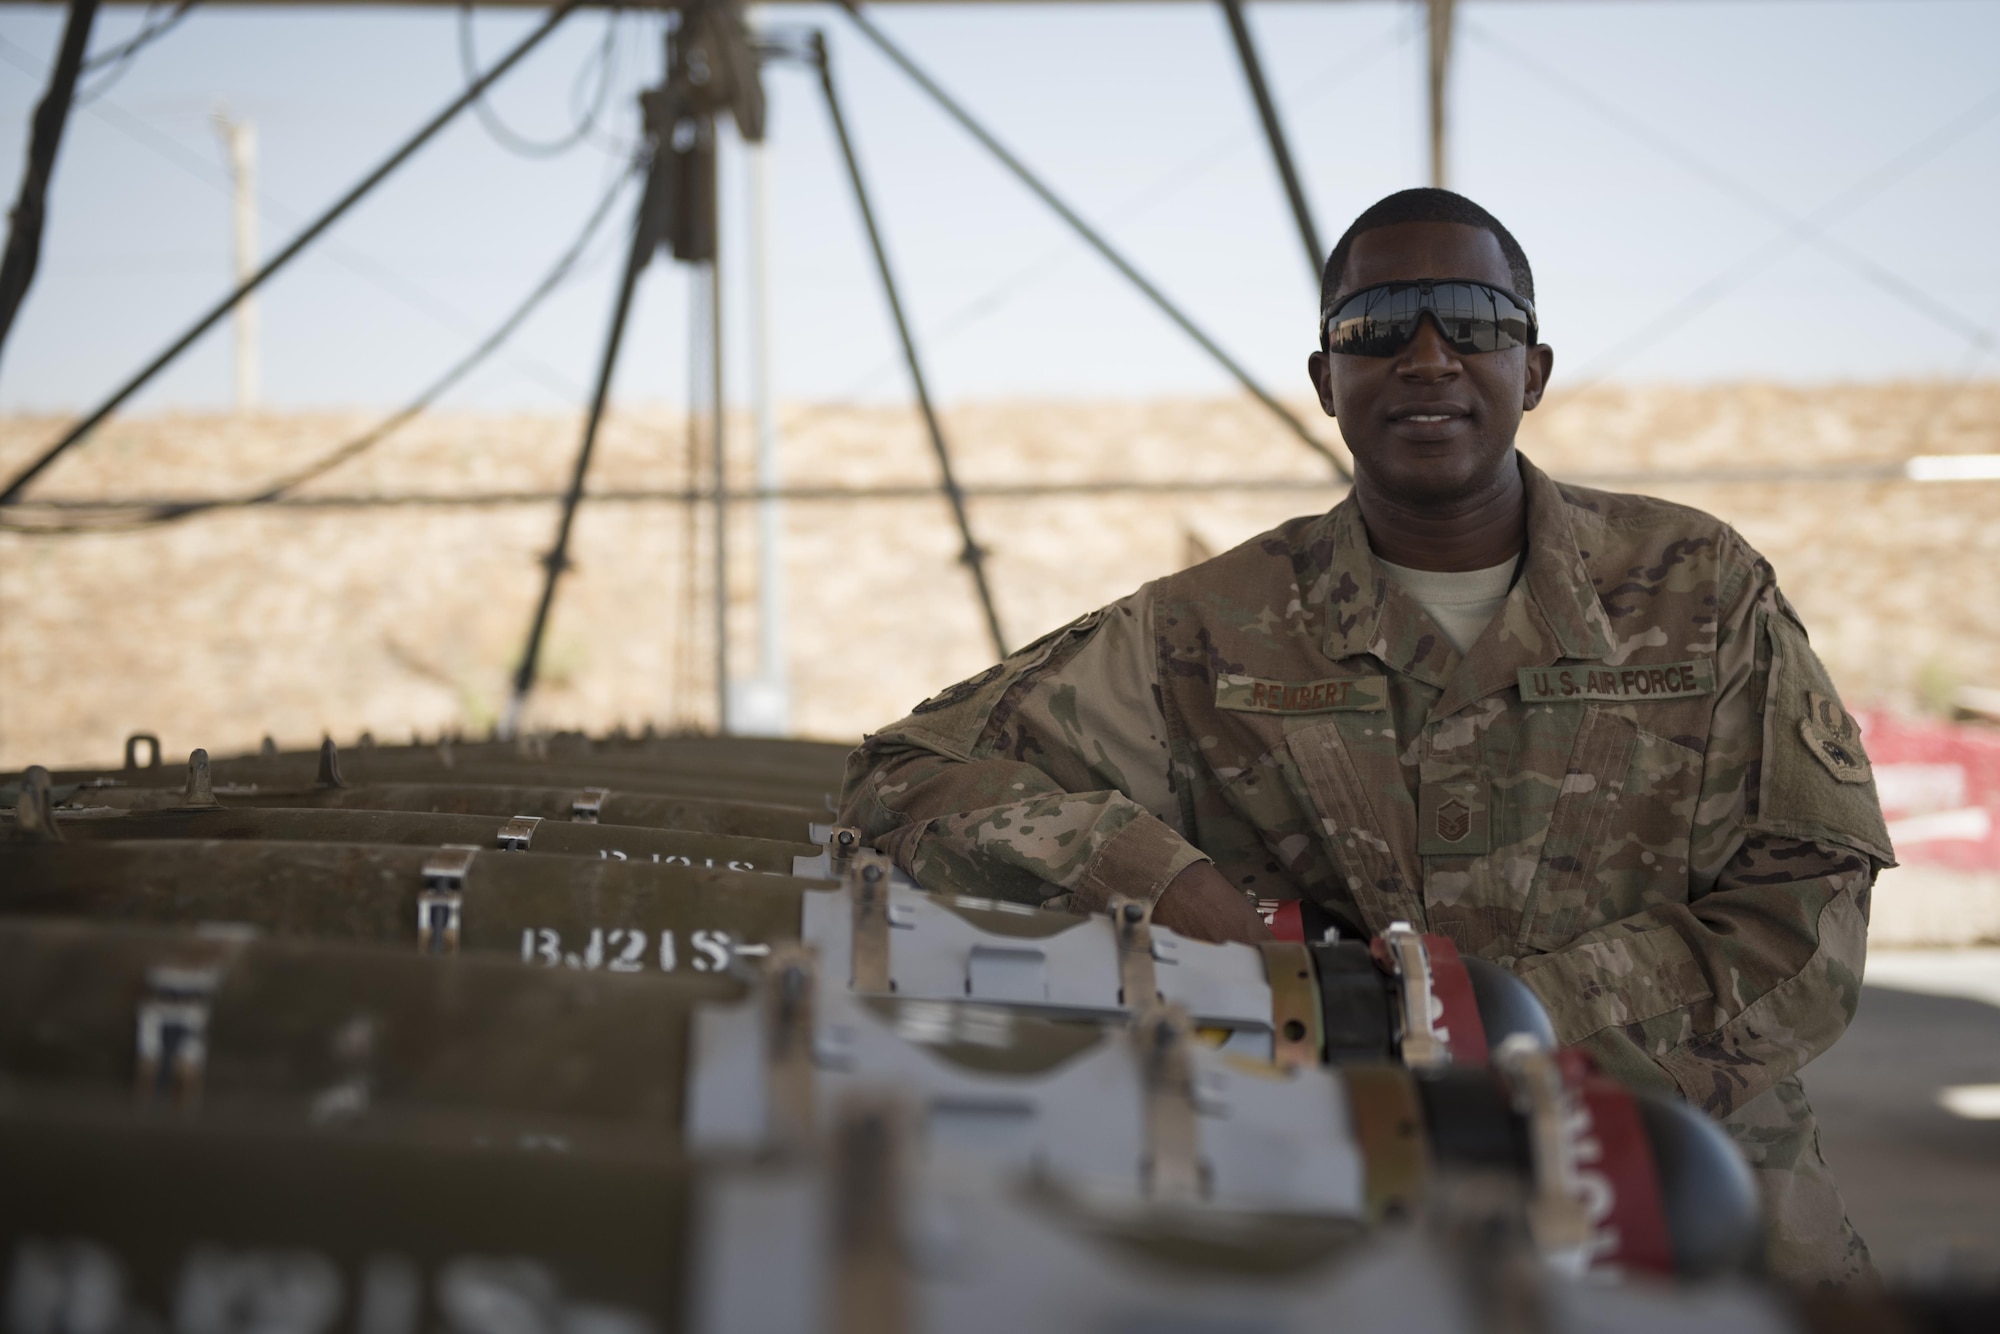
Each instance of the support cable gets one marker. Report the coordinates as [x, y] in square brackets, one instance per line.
[520, 144]
[24, 230]
[291, 251]
[1979, 336]
[1274, 134]
[119, 57]
[361, 265]
[1089, 234]
[274, 492]
[970, 553]
[646, 237]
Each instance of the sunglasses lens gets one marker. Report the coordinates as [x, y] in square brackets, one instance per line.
[1375, 323]
[1380, 321]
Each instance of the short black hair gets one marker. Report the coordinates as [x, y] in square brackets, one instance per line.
[1425, 204]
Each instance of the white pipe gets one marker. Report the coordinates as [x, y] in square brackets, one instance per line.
[239, 141]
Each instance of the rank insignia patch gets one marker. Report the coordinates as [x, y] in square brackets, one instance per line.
[1831, 735]
[1454, 818]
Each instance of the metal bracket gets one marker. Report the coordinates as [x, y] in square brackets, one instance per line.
[791, 981]
[200, 792]
[34, 808]
[869, 1152]
[1295, 1018]
[868, 887]
[132, 744]
[1556, 1215]
[517, 833]
[1424, 1046]
[329, 765]
[588, 805]
[843, 842]
[441, 901]
[1132, 921]
[1172, 1169]
[173, 1032]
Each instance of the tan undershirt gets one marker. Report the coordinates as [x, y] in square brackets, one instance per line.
[1462, 602]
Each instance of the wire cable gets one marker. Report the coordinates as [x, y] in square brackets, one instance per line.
[520, 144]
[278, 490]
[119, 58]
[1091, 236]
[372, 270]
[286, 254]
[1182, 176]
[1802, 228]
[1893, 283]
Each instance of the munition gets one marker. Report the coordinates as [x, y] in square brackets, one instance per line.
[621, 1034]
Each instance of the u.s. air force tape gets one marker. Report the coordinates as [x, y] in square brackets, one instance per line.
[1253, 694]
[1621, 685]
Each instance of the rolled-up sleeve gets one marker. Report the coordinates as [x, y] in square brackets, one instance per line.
[1044, 778]
[1760, 970]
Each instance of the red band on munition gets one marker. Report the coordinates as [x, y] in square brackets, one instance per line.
[1618, 1174]
[1285, 921]
[1465, 1033]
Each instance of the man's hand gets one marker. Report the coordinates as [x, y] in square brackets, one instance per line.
[1201, 904]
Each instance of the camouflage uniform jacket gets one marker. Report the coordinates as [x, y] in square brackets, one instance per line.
[1638, 789]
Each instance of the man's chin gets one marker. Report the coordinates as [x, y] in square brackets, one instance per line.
[1421, 478]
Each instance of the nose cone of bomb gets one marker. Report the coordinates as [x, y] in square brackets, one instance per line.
[1506, 1005]
[1714, 1222]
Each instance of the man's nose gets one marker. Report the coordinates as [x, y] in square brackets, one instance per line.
[1427, 356]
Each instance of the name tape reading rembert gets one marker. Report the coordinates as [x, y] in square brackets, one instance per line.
[1252, 694]
[1658, 680]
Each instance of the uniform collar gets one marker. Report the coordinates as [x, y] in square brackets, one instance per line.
[1553, 611]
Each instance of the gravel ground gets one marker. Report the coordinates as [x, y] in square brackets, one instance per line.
[220, 629]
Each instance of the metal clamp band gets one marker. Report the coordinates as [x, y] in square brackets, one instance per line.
[517, 833]
[868, 886]
[1423, 1046]
[1132, 921]
[1556, 1215]
[791, 979]
[587, 807]
[1295, 1026]
[1389, 1124]
[441, 901]
[173, 1032]
[1172, 1169]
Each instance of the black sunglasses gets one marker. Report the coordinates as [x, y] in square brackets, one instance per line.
[1380, 321]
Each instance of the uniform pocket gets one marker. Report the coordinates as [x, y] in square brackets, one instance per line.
[1618, 833]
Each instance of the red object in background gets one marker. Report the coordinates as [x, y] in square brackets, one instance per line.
[1940, 789]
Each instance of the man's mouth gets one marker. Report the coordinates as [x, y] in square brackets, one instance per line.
[1428, 414]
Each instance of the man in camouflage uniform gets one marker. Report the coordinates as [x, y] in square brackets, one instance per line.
[1635, 785]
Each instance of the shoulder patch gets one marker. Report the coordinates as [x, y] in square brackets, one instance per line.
[961, 692]
[1830, 797]
[1834, 740]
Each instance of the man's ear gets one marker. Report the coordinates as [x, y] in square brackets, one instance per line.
[1318, 367]
[1541, 362]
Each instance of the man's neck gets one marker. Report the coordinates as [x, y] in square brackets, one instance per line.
[1474, 534]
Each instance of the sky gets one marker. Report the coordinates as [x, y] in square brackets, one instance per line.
[1800, 190]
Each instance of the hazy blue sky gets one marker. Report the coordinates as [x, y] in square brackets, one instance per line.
[1646, 154]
